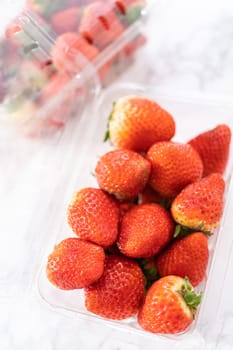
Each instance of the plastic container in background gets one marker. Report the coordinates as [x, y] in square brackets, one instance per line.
[193, 115]
[55, 54]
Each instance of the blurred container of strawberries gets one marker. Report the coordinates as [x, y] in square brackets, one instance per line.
[54, 53]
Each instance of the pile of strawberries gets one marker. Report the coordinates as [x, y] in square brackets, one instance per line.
[141, 242]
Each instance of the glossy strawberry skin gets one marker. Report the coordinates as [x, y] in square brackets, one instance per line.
[75, 264]
[122, 173]
[145, 230]
[199, 206]
[100, 25]
[94, 215]
[174, 166]
[186, 257]
[213, 147]
[164, 310]
[136, 123]
[119, 292]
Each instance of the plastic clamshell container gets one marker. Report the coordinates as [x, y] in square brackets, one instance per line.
[55, 54]
[192, 115]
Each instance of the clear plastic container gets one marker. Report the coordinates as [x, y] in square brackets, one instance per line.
[193, 115]
[55, 54]
[46, 81]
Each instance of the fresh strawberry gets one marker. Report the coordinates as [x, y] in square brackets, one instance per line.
[75, 264]
[119, 293]
[213, 147]
[174, 166]
[66, 52]
[66, 20]
[122, 173]
[94, 215]
[170, 306]
[199, 206]
[100, 25]
[136, 123]
[145, 230]
[187, 256]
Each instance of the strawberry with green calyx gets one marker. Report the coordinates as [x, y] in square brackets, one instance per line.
[136, 123]
[186, 256]
[199, 206]
[145, 230]
[213, 147]
[169, 307]
[119, 293]
[122, 173]
[75, 264]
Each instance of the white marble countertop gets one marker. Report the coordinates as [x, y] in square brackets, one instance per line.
[190, 49]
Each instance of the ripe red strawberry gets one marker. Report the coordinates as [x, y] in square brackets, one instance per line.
[187, 256]
[145, 231]
[213, 147]
[75, 264]
[66, 20]
[136, 123]
[174, 166]
[169, 307]
[94, 215]
[100, 25]
[66, 52]
[199, 206]
[119, 293]
[123, 173]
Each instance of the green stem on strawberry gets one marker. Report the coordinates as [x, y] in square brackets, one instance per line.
[192, 299]
[183, 231]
